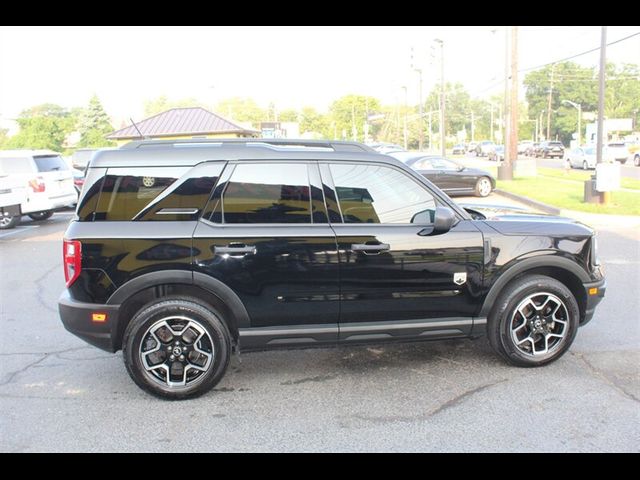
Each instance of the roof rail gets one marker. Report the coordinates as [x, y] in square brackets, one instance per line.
[338, 146]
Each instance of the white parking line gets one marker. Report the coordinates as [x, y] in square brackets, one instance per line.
[18, 230]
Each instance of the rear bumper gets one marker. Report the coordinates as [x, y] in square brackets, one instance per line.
[10, 211]
[593, 299]
[77, 318]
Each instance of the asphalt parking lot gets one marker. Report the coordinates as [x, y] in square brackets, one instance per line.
[59, 394]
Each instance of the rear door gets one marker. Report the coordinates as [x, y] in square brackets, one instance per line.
[266, 236]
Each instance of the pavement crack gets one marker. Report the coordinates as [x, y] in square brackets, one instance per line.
[458, 399]
[597, 373]
[41, 289]
[43, 356]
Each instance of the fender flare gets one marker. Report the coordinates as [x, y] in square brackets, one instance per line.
[209, 284]
[522, 266]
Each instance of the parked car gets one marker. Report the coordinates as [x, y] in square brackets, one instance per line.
[530, 151]
[247, 245]
[550, 150]
[618, 151]
[484, 148]
[12, 195]
[524, 146]
[471, 148]
[497, 155]
[45, 175]
[78, 180]
[382, 147]
[585, 157]
[459, 149]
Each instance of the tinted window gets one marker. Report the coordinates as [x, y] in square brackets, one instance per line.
[267, 193]
[15, 165]
[379, 194]
[423, 164]
[50, 163]
[127, 191]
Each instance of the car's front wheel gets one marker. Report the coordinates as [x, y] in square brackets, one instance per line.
[636, 160]
[38, 216]
[176, 348]
[483, 187]
[534, 321]
[585, 165]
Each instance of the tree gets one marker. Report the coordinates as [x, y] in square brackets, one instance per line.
[457, 109]
[162, 104]
[241, 110]
[3, 136]
[95, 125]
[622, 95]
[288, 115]
[43, 126]
[349, 114]
[314, 123]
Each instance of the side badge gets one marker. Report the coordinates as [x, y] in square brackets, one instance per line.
[459, 278]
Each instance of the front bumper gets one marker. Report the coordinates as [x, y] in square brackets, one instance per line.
[77, 318]
[593, 299]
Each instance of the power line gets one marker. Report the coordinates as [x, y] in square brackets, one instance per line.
[579, 54]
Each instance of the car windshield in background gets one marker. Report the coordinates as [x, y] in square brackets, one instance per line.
[555, 144]
[50, 163]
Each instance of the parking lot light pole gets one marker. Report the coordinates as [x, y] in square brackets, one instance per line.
[579, 107]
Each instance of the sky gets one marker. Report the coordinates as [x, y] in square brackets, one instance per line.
[290, 66]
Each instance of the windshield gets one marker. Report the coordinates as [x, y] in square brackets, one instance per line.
[590, 151]
[50, 163]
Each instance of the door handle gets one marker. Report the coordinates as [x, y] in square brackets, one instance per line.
[370, 249]
[236, 250]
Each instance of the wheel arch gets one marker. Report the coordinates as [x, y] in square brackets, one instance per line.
[140, 291]
[565, 271]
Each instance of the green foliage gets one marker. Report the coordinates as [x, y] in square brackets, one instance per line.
[3, 136]
[162, 104]
[241, 110]
[42, 127]
[95, 125]
[313, 122]
[622, 95]
[349, 114]
[288, 115]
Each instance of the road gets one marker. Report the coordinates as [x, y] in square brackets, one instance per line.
[59, 394]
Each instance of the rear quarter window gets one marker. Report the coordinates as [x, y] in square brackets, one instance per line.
[9, 166]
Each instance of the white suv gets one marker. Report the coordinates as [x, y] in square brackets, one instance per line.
[45, 175]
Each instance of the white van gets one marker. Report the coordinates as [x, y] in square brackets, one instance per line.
[44, 174]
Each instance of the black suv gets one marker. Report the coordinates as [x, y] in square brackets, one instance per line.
[182, 252]
[550, 150]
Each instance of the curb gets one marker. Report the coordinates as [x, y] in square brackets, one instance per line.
[531, 203]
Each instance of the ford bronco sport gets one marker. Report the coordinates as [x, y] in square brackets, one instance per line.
[181, 252]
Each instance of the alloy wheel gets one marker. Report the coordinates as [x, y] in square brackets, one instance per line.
[539, 324]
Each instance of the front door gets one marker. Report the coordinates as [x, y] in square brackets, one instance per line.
[397, 279]
[266, 236]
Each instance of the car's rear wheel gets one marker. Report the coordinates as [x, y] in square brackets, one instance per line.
[568, 164]
[585, 165]
[636, 160]
[176, 348]
[483, 187]
[38, 216]
[9, 221]
[534, 321]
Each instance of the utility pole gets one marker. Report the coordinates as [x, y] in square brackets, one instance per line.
[443, 133]
[491, 124]
[430, 131]
[505, 133]
[421, 110]
[513, 117]
[406, 133]
[601, 80]
[553, 68]
[473, 129]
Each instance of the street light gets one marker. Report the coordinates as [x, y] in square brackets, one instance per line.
[420, 106]
[442, 115]
[579, 107]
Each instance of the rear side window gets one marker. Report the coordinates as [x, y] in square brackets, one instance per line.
[127, 191]
[50, 163]
[267, 193]
[9, 166]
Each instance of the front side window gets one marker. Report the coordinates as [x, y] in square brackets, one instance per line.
[267, 193]
[380, 194]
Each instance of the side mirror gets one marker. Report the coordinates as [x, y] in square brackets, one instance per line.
[444, 220]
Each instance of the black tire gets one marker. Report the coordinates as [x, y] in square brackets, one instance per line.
[500, 320]
[7, 222]
[481, 187]
[205, 317]
[39, 216]
[636, 160]
[585, 165]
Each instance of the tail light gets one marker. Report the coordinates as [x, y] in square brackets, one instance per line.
[72, 259]
[37, 185]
